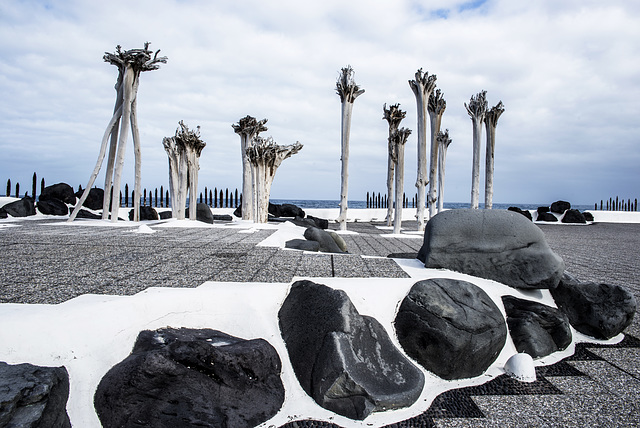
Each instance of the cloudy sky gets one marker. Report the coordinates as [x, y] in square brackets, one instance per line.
[567, 72]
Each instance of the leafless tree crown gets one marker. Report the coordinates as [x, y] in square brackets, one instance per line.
[249, 125]
[477, 105]
[346, 86]
[423, 83]
[138, 59]
[443, 138]
[492, 115]
[437, 103]
[189, 138]
[393, 115]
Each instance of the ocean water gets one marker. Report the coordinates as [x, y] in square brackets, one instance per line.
[447, 205]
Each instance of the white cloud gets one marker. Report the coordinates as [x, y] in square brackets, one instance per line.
[567, 74]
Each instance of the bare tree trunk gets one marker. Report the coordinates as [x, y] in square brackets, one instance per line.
[248, 128]
[108, 176]
[477, 108]
[436, 109]
[348, 91]
[491, 121]
[399, 139]
[390, 171]
[122, 142]
[422, 87]
[135, 133]
[103, 148]
[393, 115]
[443, 143]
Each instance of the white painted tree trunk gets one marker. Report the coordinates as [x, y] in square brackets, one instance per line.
[122, 141]
[390, 172]
[247, 180]
[108, 176]
[435, 120]
[491, 141]
[399, 199]
[137, 151]
[103, 148]
[193, 165]
[475, 168]
[421, 180]
[443, 144]
[347, 108]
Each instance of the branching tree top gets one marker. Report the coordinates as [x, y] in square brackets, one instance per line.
[423, 83]
[443, 138]
[346, 86]
[189, 138]
[139, 59]
[437, 104]
[400, 136]
[492, 116]
[271, 154]
[477, 105]
[393, 115]
[250, 126]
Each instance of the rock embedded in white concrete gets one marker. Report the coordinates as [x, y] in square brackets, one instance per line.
[451, 327]
[345, 361]
[493, 244]
[192, 377]
[520, 367]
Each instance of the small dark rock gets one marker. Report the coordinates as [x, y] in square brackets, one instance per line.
[560, 206]
[94, 200]
[403, 256]
[238, 211]
[492, 244]
[3, 213]
[326, 241]
[525, 213]
[222, 217]
[302, 244]
[61, 191]
[146, 213]
[188, 377]
[573, 216]
[320, 223]
[543, 210]
[597, 310]
[164, 215]
[52, 207]
[290, 210]
[203, 213]
[546, 217]
[536, 329]
[88, 214]
[33, 396]
[451, 327]
[345, 361]
[588, 216]
[311, 221]
[21, 208]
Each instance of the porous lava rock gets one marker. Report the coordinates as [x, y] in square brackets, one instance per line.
[192, 377]
[53, 207]
[536, 329]
[60, 191]
[494, 244]
[546, 216]
[560, 206]
[94, 199]
[345, 361]
[451, 327]
[33, 396]
[146, 213]
[597, 310]
[324, 238]
[21, 208]
[573, 216]
[518, 210]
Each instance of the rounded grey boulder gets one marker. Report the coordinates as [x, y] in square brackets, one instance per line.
[494, 244]
[451, 327]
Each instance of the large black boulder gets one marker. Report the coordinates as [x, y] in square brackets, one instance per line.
[94, 200]
[345, 361]
[536, 329]
[518, 210]
[146, 213]
[302, 244]
[327, 242]
[52, 207]
[494, 244]
[20, 208]
[588, 216]
[573, 216]
[3, 213]
[188, 377]
[88, 215]
[597, 310]
[451, 327]
[33, 396]
[560, 206]
[546, 216]
[543, 210]
[60, 191]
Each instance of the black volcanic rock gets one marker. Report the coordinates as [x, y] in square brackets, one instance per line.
[60, 191]
[451, 327]
[192, 378]
[546, 216]
[573, 216]
[560, 207]
[345, 361]
[94, 200]
[52, 207]
[20, 208]
[525, 213]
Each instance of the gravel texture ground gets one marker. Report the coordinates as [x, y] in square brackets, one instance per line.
[45, 262]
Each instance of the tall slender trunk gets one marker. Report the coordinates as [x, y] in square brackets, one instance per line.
[436, 120]
[122, 142]
[247, 177]
[137, 151]
[475, 168]
[390, 172]
[347, 108]
[491, 141]
[421, 180]
[108, 176]
[443, 144]
[399, 199]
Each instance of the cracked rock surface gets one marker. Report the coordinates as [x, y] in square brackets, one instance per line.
[345, 361]
[451, 327]
[494, 244]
